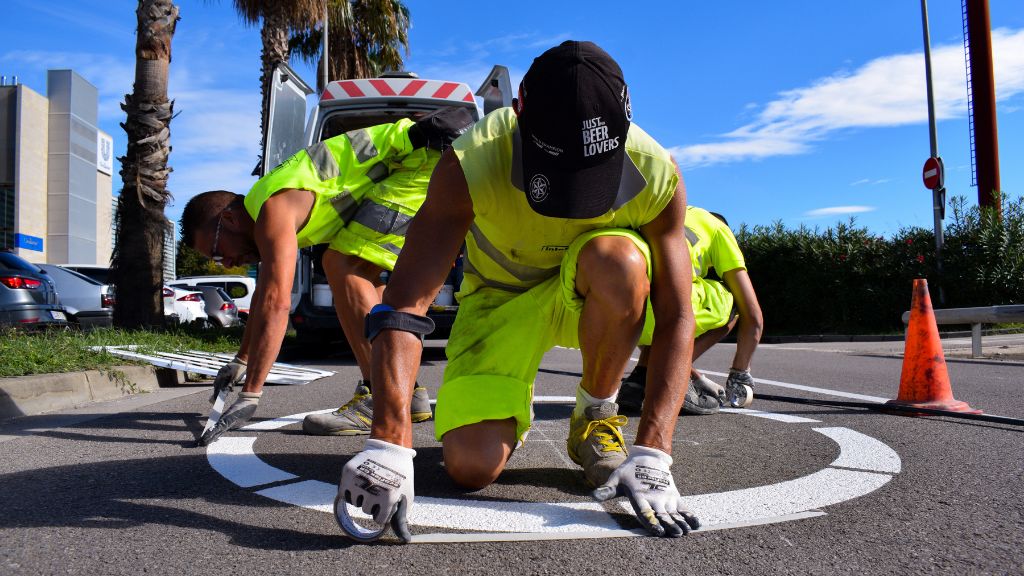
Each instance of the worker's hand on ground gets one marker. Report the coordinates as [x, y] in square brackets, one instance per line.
[437, 129]
[739, 388]
[234, 417]
[227, 377]
[646, 479]
[379, 480]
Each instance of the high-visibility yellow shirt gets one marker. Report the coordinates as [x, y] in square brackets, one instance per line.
[712, 244]
[511, 247]
[338, 171]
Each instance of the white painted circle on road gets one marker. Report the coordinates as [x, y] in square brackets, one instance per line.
[864, 465]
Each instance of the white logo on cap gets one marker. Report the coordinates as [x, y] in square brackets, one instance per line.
[539, 188]
[628, 105]
[596, 138]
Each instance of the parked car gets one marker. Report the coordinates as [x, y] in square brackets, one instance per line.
[89, 304]
[185, 306]
[219, 307]
[240, 288]
[28, 296]
[98, 273]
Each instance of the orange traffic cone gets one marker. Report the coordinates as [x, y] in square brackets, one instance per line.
[924, 382]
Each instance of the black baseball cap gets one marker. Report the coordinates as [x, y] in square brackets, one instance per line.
[574, 114]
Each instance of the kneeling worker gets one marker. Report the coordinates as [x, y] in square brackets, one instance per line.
[719, 305]
[357, 193]
[573, 222]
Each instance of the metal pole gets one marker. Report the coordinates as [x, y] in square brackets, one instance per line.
[983, 86]
[939, 194]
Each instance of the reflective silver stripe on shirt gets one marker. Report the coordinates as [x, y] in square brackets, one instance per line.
[382, 219]
[396, 250]
[362, 145]
[691, 236]
[468, 268]
[520, 272]
[344, 205]
[378, 172]
[326, 165]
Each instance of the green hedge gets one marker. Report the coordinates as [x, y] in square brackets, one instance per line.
[846, 280]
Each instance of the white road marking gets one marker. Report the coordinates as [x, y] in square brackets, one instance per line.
[864, 465]
[863, 452]
[826, 391]
[234, 459]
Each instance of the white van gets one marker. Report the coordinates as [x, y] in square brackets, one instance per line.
[240, 288]
[353, 104]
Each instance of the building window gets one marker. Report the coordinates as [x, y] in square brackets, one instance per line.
[6, 218]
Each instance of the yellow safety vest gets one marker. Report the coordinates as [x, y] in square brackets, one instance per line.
[511, 247]
[339, 171]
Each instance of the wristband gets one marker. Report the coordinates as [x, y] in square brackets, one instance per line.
[384, 317]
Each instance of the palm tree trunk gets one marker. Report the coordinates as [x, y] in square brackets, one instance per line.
[275, 50]
[137, 264]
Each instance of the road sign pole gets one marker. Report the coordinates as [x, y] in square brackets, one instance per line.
[938, 193]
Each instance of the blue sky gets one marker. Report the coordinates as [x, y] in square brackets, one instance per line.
[800, 111]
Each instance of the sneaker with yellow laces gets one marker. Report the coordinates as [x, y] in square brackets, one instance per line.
[595, 441]
[355, 416]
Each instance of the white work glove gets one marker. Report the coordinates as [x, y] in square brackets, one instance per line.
[227, 377]
[379, 480]
[646, 479]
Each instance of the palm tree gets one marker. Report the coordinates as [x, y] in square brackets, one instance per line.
[278, 18]
[137, 262]
[365, 38]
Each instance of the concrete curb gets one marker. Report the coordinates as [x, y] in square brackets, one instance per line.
[42, 393]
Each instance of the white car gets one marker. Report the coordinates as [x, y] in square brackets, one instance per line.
[186, 306]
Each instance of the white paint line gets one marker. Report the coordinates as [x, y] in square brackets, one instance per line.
[808, 493]
[443, 538]
[457, 514]
[283, 421]
[826, 391]
[862, 452]
[554, 399]
[234, 459]
[787, 418]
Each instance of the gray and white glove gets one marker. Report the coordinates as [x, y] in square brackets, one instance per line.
[227, 377]
[378, 480]
[739, 388]
[646, 479]
[234, 417]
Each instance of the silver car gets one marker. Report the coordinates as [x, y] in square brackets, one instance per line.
[89, 303]
[28, 297]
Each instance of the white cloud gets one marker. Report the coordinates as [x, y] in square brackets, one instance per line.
[868, 181]
[839, 210]
[887, 91]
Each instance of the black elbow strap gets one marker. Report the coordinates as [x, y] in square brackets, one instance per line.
[384, 317]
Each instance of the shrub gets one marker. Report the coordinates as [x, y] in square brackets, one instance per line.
[844, 279]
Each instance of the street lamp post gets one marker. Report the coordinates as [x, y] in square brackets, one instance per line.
[938, 193]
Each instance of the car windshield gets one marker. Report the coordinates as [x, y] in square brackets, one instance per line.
[10, 261]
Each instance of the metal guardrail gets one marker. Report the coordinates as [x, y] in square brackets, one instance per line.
[976, 317]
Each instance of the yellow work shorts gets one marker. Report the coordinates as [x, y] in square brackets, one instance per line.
[499, 338]
[712, 305]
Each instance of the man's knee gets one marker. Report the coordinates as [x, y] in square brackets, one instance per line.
[475, 455]
[613, 266]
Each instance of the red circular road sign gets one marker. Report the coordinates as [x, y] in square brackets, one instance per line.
[933, 173]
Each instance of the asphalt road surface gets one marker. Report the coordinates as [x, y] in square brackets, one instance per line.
[793, 488]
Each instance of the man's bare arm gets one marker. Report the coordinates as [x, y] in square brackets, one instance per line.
[672, 345]
[431, 245]
[280, 218]
[748, 329]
